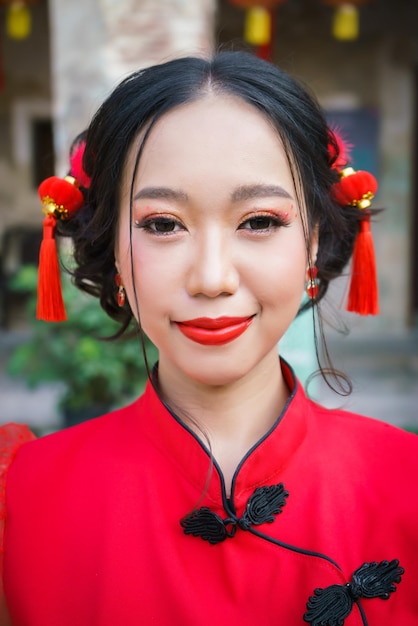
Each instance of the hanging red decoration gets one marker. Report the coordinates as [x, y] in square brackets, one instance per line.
[60, 198]
[355, 188]
[358, 189]
[363, 297]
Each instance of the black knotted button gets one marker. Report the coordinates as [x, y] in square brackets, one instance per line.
[262, 507]
[330, 606]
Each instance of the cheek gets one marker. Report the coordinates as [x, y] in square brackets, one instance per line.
[124, 262]
[280, 290]
[280, 274]
[147, 281]
[122, 240]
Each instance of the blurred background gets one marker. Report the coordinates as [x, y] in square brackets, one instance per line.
[60, 59]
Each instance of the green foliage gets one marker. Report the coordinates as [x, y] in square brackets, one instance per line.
[95, 371]
[412, 429]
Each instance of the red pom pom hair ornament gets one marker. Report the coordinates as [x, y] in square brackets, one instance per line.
[61, 198]
[340, 153]
[76, 163]
[357, 188]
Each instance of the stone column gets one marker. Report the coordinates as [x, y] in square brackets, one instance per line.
[96, 43]
[393, 246]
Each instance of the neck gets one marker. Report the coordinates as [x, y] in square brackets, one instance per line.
[232, 417]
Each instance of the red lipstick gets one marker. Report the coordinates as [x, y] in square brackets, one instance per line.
[214, 331]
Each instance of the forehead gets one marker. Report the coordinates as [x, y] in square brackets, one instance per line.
[218, 137]
[216, 111]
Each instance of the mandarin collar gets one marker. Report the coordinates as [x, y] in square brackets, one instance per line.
[262, 465]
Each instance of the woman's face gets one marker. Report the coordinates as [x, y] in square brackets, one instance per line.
[219, 254]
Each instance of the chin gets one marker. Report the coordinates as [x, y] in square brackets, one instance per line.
[219, 374]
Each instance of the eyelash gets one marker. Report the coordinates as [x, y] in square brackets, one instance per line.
[275, 221]
[152, 223]
[148, 224]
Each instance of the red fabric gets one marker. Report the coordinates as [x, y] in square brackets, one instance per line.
[50, 303]
[93, 534]
[363, 295]
[12, 437]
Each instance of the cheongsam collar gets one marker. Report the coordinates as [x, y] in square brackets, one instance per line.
[263, 463]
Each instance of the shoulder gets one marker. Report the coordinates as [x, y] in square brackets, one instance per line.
[12, 438]
[58, 469]
[74, 455]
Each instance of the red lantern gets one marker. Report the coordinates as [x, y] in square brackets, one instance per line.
[355, 188]
[60, 196]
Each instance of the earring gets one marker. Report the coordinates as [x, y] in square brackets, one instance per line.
[120, 296]
[312, 286]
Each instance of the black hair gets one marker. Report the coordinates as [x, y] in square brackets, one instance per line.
[143, 97]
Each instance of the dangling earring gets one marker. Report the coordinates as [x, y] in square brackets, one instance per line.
[121, 291]
[312, 286]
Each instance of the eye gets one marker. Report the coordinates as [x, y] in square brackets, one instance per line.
[262, 223]
[161, 225]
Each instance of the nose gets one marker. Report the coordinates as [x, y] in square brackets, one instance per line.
[212, 270]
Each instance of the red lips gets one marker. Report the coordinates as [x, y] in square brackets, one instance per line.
[214, 331]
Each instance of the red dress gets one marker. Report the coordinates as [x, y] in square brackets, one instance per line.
[115, 522]
[12, 437]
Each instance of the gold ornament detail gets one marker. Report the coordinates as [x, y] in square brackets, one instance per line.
[50, 207]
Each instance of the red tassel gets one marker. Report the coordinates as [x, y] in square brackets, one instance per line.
[60, 198]
[363, 296]
[50, 306]
[357, 189]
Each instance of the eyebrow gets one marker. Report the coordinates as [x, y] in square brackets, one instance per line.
[247, 192]
[161, 192]
[243, 192]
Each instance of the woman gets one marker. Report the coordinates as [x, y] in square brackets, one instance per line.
[223, 495]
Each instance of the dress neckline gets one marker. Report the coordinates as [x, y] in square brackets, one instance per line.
[260, 466]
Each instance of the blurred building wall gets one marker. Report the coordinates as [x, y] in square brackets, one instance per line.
[98, 42]
[25, 98]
